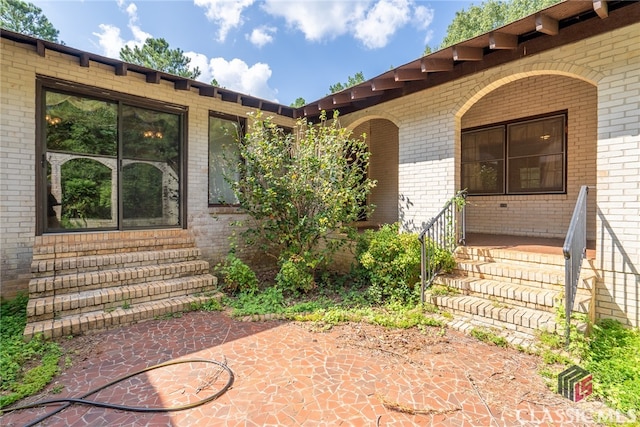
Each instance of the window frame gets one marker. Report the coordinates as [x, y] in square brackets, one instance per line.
[45, 84]
[507, 157]
[241, 127]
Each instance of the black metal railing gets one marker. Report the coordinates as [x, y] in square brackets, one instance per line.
[445, 232]
[574, 250]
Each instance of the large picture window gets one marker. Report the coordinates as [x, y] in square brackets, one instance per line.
[522, 157]
[108, 163]
[225, 133]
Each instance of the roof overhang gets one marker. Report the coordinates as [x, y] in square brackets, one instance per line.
[555, 26]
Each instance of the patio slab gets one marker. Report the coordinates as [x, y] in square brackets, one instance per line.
[287, 374]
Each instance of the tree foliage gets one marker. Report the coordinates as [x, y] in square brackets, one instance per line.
[156, 54]
[357, 78]
[487, 16]
[26, 18]
[299, 102]
[300, 187]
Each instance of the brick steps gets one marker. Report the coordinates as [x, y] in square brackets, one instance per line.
[509, 291]
[102, 320]
[81, 264]
[519, 295]
[84, 282]
[486, 313]
[109, 298]
[90, 280]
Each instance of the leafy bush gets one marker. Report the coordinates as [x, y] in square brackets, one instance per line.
[390, 262]
[296, 274]
[237, 275]
[25, 367]
[298, 188]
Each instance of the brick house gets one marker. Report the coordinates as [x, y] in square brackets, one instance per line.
[569, 74]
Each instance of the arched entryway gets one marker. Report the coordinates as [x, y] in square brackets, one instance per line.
[525, 147]
[382, 140]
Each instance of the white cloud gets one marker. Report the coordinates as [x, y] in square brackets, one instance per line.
[373, 23]
[235, 75]
[318, 20]
[109, 38]
[422, 17]
[381, 22]
[227, 14]
[261, 36]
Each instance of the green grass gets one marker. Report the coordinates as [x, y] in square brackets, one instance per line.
[25, 368]
[613, 357]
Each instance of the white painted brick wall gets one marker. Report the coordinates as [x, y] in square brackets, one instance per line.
[19, 67]
[429, 129]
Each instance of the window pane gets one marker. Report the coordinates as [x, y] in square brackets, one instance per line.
[150, 168]
[544, 136]
[483, 177]
[536, 174]
[224, 155]
[80, 125]
[80, 192]
[483, 161]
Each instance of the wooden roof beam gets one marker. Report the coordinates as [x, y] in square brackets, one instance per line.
[342, 98]
[601, 7]
[84, 60]
[466, 53]
[428, 65]
[503, 41]
[121, 69]
[209, 91]
[546, 25]
[41, 48]
[182, 85]
[326, 104]
[378, 85]
[153, 77]
[408, 74]
[362, 92]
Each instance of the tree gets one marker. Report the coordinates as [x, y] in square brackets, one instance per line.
[357, 78]
[26, 18]
[299, 102]
[156, 54]
[487, 16]
[300, 187]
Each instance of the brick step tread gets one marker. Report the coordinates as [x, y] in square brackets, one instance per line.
[514, 294]
[552, 261]
[522, 274]
[519, 319]
[51, 307]
[507, 254]
[97, 321]
[78, 282]
[78, 244]
[82, 263]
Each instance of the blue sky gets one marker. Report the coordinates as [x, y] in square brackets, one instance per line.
[273, 49]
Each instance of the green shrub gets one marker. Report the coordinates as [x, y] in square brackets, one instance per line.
[237, 276]
[390, 262]
[296, 274]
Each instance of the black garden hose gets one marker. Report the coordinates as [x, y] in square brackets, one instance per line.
[69, 401]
